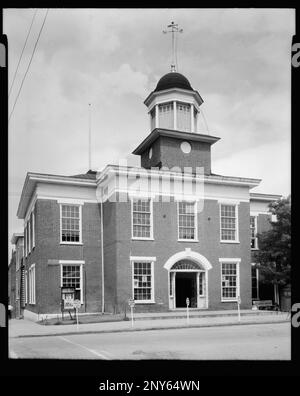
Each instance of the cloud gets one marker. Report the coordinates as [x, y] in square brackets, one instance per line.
[270, 162]
[238, 60]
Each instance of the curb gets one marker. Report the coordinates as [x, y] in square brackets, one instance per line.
[151, 328]
[198, 316]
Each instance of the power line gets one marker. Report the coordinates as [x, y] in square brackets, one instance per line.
[20, 57]
[29, 64]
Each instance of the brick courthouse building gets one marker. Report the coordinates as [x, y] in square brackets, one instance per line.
[159, 233]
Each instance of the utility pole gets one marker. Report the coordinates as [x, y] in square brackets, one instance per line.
[90, 149]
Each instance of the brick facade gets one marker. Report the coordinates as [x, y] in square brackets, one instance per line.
[43, 194]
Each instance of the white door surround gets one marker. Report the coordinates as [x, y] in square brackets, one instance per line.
[201, 265]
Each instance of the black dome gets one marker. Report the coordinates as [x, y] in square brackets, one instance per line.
[173, 80]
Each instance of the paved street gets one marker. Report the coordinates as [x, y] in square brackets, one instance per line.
[255, 341]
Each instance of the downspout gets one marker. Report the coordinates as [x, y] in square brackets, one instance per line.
[102, 258]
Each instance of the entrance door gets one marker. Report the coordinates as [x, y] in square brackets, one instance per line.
[186, 286]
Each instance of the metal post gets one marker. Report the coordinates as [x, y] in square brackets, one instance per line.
[187, 311]
[131, 316]
[238, 306]
[76, 318]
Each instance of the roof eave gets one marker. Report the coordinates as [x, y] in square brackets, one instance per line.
[156, 93]
[172, 133]
[33, 178]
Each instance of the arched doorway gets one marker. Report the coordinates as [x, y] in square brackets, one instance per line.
[188, 278]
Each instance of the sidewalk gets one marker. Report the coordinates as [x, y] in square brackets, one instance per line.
[26, 328]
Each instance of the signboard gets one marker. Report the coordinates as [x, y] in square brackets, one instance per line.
[68, 302]
[131, 302]
[67, 298]
[187, 302]
[77, 304]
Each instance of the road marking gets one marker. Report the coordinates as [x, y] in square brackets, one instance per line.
[84, 347]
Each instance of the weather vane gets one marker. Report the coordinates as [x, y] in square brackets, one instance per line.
[173, 28]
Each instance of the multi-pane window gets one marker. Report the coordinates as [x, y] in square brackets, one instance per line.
[166, 115]
[26, 287]
[228, 223]
[29, 234]
[184, 117]
[229, 281]
[141, 218]
[152, 118]
[70, 223]
[142, 281]
[171, 275]
[186, 220]
[33, 229]
[25, 240]
[253, 232]
[201, 283]
[71, 277]
[31, 275]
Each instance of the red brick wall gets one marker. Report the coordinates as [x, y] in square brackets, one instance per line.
[47, 223]
[165, 244]
[118, 247]
[167, 150]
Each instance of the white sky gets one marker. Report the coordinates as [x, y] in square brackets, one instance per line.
[238, 60]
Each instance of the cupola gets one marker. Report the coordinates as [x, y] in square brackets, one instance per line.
[174, 104]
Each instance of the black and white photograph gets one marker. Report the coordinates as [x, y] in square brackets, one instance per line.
[149, 184]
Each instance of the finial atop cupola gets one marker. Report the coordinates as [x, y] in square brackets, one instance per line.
[173, 28]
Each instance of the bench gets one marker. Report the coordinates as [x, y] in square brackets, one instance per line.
[266, 304]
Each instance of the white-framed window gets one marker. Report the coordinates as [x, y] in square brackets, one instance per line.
[33, 228]
[166, 119]
[31, 276]
[253, 231]
[184, 117]
[201, 283]
[187, 221]
[72, 276]
[143, 281]
[25, 239]
[230, 279]
[229, 223]
[171, 275]
[26, 287]
[70, 224]
[29, 234]
[142, 218]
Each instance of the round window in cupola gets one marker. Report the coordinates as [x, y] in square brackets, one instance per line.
[186, 147]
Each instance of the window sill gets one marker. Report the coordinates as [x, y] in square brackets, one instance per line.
[141, 239]
[254, 249]
[233, 300]
[229, 241]
[144, 301]
[187, 240]
[71, 243]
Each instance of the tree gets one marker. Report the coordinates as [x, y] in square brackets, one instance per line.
[274, 255]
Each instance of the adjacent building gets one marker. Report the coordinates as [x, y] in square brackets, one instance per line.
[16, 276]
[160, 233]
